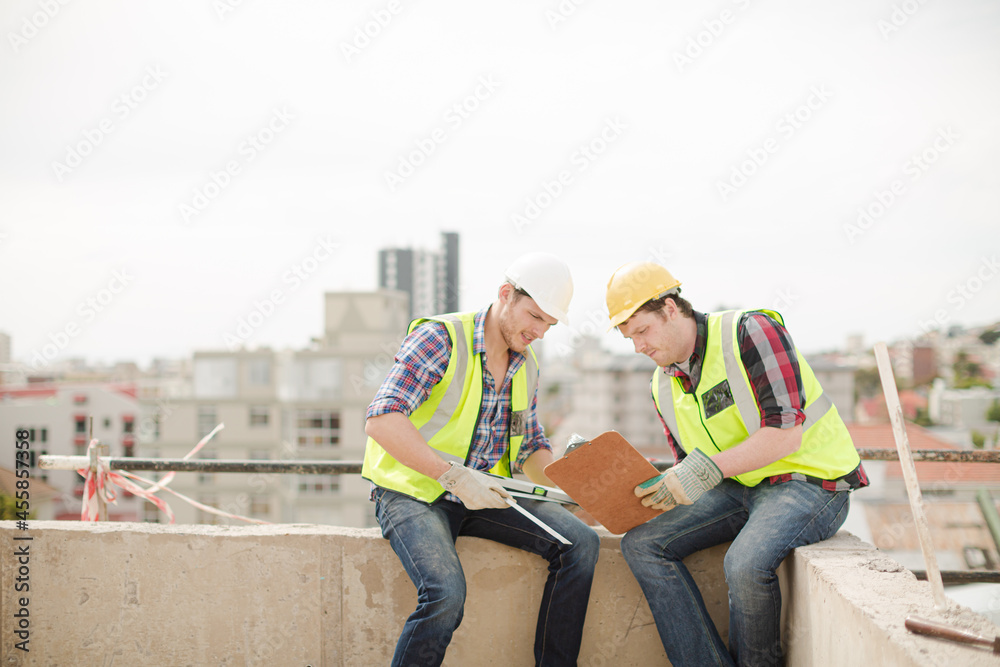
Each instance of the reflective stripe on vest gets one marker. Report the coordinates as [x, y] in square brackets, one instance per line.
[721, 412]
[447, 419]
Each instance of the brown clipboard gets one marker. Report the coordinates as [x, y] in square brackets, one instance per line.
[601, 475]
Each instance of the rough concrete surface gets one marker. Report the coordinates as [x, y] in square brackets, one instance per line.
[145, 594]
[847, 605]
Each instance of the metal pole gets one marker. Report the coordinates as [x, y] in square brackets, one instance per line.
[95, 468]
[910, 474]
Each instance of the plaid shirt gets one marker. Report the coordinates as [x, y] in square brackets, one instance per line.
[421, 363]
[771, 363]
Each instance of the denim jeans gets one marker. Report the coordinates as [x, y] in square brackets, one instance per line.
[765, 523]
[423, 536]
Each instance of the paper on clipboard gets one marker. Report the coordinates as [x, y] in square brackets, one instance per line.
[601, 475]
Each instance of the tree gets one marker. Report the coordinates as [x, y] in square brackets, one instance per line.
[8, 509]
[993, 413]
[968, 373]
[978, 440]
[867, 383]
[991, 336]
[923, 418]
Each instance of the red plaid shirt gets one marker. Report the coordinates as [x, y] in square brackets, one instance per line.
[771, 363]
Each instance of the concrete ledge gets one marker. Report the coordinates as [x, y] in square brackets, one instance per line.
[846, 604]
[145, 594]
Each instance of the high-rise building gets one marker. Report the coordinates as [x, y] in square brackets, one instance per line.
[429, 278]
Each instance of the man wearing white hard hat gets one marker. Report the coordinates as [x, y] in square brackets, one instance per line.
[460, 400]
[763, 461]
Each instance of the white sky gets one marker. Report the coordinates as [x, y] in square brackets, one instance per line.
[881, 94]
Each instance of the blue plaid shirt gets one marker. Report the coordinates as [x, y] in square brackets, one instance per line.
[420, 364]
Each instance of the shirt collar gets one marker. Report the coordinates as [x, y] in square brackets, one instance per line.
[700, 341]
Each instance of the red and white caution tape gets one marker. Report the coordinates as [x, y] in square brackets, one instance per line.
[101, 485]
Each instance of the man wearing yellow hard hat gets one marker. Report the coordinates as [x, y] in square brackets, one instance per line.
[763, 459]
[460, 401]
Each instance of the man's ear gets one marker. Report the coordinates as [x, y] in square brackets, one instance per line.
[505, 292]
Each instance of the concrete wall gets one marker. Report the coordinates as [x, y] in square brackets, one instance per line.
[144, 594]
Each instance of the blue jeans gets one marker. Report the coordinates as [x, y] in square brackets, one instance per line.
[423, 536]
[765, 523]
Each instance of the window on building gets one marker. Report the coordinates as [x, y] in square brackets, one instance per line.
[128, 424]
[207, 420]
[43, 435]
[259, 372]
[260, 415]
[107, 422]
[215, 377]
[318, 428]
[317, 484]
[260, 505]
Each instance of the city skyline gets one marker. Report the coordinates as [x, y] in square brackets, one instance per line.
[238, 161]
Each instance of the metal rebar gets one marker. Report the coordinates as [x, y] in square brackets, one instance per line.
[936, 455]
[963, 576]
[208, 465]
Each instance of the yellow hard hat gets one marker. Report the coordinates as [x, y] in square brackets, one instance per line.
[633, 284]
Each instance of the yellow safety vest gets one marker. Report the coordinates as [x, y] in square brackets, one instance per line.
[447, 419]
[722, 412]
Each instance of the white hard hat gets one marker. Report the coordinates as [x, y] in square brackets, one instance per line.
[546, 279]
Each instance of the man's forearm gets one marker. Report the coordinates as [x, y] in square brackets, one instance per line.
[534, 467]
[399, 437]
[761, 449]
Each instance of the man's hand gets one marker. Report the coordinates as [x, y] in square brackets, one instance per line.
[683, 484]
[476, 490]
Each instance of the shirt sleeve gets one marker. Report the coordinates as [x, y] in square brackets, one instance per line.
[771, 363]
[534, 436]
[419, 364]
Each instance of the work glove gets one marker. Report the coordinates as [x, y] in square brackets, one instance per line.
[476, 490]
[683, 484]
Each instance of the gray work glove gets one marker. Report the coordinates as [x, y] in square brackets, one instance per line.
[476, 490]
[683, 484]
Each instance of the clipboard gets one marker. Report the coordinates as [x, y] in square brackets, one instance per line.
[601, 475]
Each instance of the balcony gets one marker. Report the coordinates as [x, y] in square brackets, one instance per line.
[146, 594]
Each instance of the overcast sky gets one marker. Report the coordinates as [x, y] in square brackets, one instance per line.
[166, 166]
